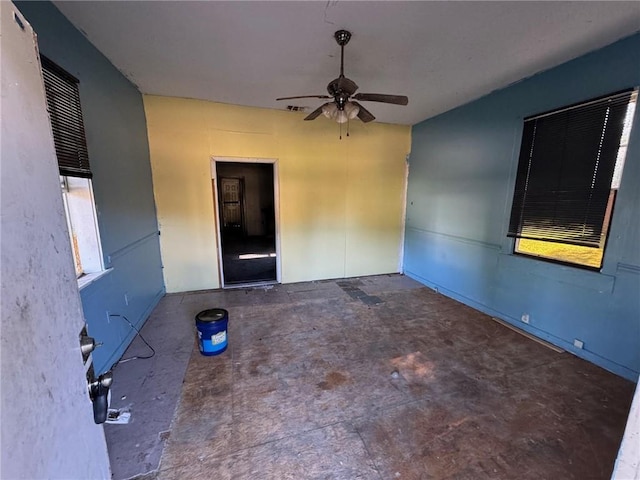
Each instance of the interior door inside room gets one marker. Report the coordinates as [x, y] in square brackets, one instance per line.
[247, 222]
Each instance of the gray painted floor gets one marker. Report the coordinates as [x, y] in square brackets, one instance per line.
[150, 389]
[372, 378]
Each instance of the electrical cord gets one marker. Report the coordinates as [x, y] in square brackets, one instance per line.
[137, 357]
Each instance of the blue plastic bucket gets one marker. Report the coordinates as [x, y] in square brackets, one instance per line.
[212, 331]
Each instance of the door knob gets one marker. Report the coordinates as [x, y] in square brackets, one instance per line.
[99, 392]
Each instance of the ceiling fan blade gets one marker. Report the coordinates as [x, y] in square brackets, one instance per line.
[316, 113]
[363, 114]
[380, 97]
[304, 96]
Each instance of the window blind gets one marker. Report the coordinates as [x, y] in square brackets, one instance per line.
[63, 102]
[567, 159]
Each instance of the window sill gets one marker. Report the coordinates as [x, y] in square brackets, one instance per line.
[89, 278]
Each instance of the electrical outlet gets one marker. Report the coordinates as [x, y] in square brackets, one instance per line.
[525, 318]
[578, 343]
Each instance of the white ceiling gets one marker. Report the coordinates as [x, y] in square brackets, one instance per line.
[439, 54]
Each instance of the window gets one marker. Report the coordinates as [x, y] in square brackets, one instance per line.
[77, 195]
[569, 171]
[63, 102]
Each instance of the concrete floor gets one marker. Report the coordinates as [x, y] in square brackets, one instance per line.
[381, 378]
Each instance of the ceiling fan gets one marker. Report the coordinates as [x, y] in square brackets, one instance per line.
[342, 92]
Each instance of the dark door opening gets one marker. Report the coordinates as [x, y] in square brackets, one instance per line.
[247, 222]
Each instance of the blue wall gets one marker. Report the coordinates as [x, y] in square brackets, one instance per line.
[461, 180]
[116, 133]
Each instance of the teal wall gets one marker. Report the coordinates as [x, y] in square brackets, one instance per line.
[461, 181]
[116, 133]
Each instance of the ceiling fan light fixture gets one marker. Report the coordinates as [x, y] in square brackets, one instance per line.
[352, 110]
[330, 110]
[349, 112]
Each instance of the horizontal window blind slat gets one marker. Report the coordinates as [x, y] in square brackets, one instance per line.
[67, 126]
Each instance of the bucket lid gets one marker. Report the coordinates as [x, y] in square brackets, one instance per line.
[211, 315]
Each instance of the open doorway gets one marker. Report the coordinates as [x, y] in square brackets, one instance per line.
[246, 209]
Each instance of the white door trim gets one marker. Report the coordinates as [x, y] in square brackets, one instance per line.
[276, 207]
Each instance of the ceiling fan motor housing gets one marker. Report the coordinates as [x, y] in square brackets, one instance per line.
[341, 89]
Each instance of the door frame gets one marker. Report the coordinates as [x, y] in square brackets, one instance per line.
[276, 208]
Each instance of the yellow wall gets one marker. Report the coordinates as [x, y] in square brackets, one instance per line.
[341, 201]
